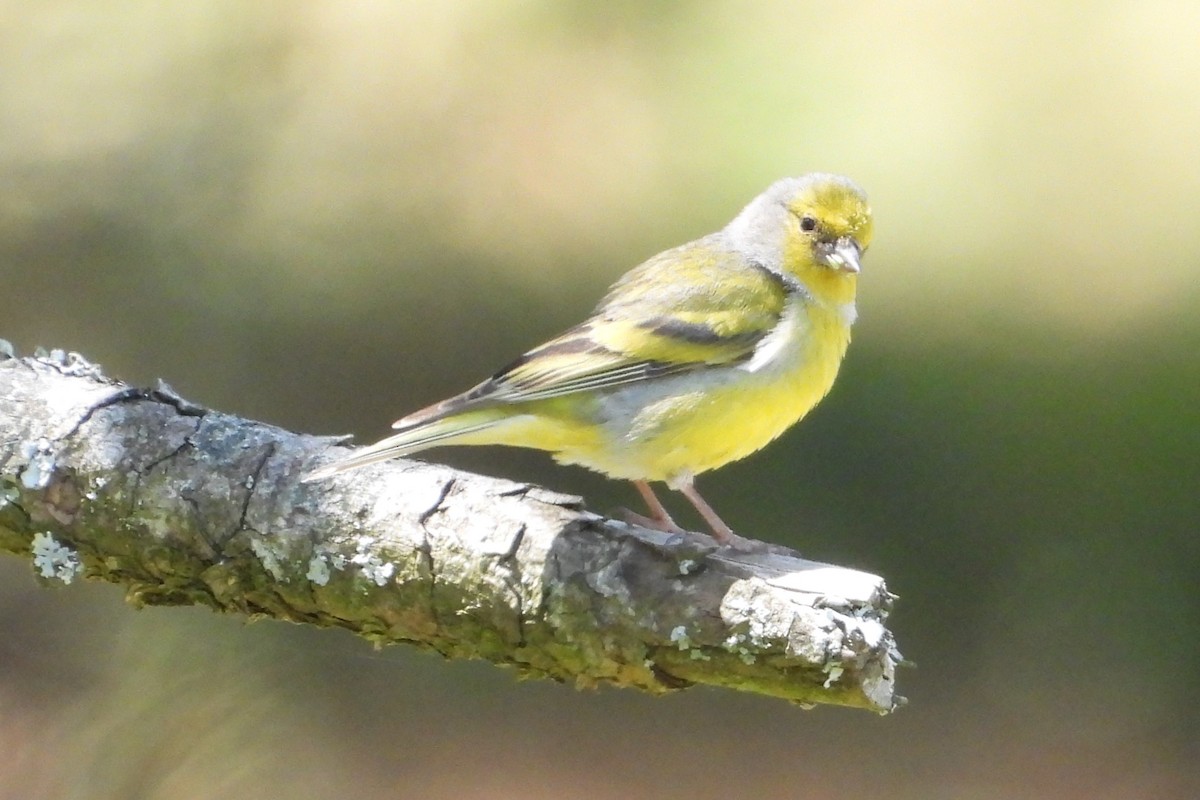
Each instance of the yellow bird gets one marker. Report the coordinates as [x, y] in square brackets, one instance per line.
[698, 357]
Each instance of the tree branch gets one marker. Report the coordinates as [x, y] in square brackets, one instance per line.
[184, 505]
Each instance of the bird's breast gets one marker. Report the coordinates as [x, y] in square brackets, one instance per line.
[692, 423]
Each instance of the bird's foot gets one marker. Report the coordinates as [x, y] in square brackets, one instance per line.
[666, 525]
[680, 535]
[741, 543]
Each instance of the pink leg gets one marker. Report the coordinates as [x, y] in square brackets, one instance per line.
[659, 519]
[720, 531]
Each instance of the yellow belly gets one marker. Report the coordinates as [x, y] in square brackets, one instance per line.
[669, 429]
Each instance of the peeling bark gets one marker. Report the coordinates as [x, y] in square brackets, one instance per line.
[184, 505]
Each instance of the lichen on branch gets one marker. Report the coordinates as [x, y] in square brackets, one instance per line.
[184, 505]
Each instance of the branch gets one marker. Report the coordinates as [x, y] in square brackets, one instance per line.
[182, 505]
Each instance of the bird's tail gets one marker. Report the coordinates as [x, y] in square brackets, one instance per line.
[420, 435]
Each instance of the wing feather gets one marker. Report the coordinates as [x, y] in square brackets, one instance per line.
[713, 310]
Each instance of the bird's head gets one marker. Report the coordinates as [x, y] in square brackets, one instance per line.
[812, 230]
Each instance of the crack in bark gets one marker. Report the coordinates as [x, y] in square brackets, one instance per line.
[162, 394]
[194, 505]
[509, 555]
[119, 396]
[251, 484]
[141, 472]
[426, 549]
[185, 444]
[431, 596]
[517, 491]
[512, 580]
[437, 504]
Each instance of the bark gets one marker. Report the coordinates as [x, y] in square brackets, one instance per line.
[183, 505]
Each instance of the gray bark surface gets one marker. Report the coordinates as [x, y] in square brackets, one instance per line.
[184, 505]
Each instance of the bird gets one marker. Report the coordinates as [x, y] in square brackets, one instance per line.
[697, 357]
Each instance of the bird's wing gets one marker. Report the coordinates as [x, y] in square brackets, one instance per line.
[709, 309]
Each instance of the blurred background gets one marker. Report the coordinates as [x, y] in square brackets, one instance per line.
[326, 214]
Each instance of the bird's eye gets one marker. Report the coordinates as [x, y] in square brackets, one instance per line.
[808, 223]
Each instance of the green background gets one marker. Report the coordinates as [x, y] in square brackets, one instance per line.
[327, 214]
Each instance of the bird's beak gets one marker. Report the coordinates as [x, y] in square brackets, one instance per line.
[844, 255]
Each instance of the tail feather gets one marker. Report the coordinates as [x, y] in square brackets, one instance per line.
[412, 440]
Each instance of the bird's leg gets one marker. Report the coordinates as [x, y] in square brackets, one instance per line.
[720, 531]
[659, 519]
